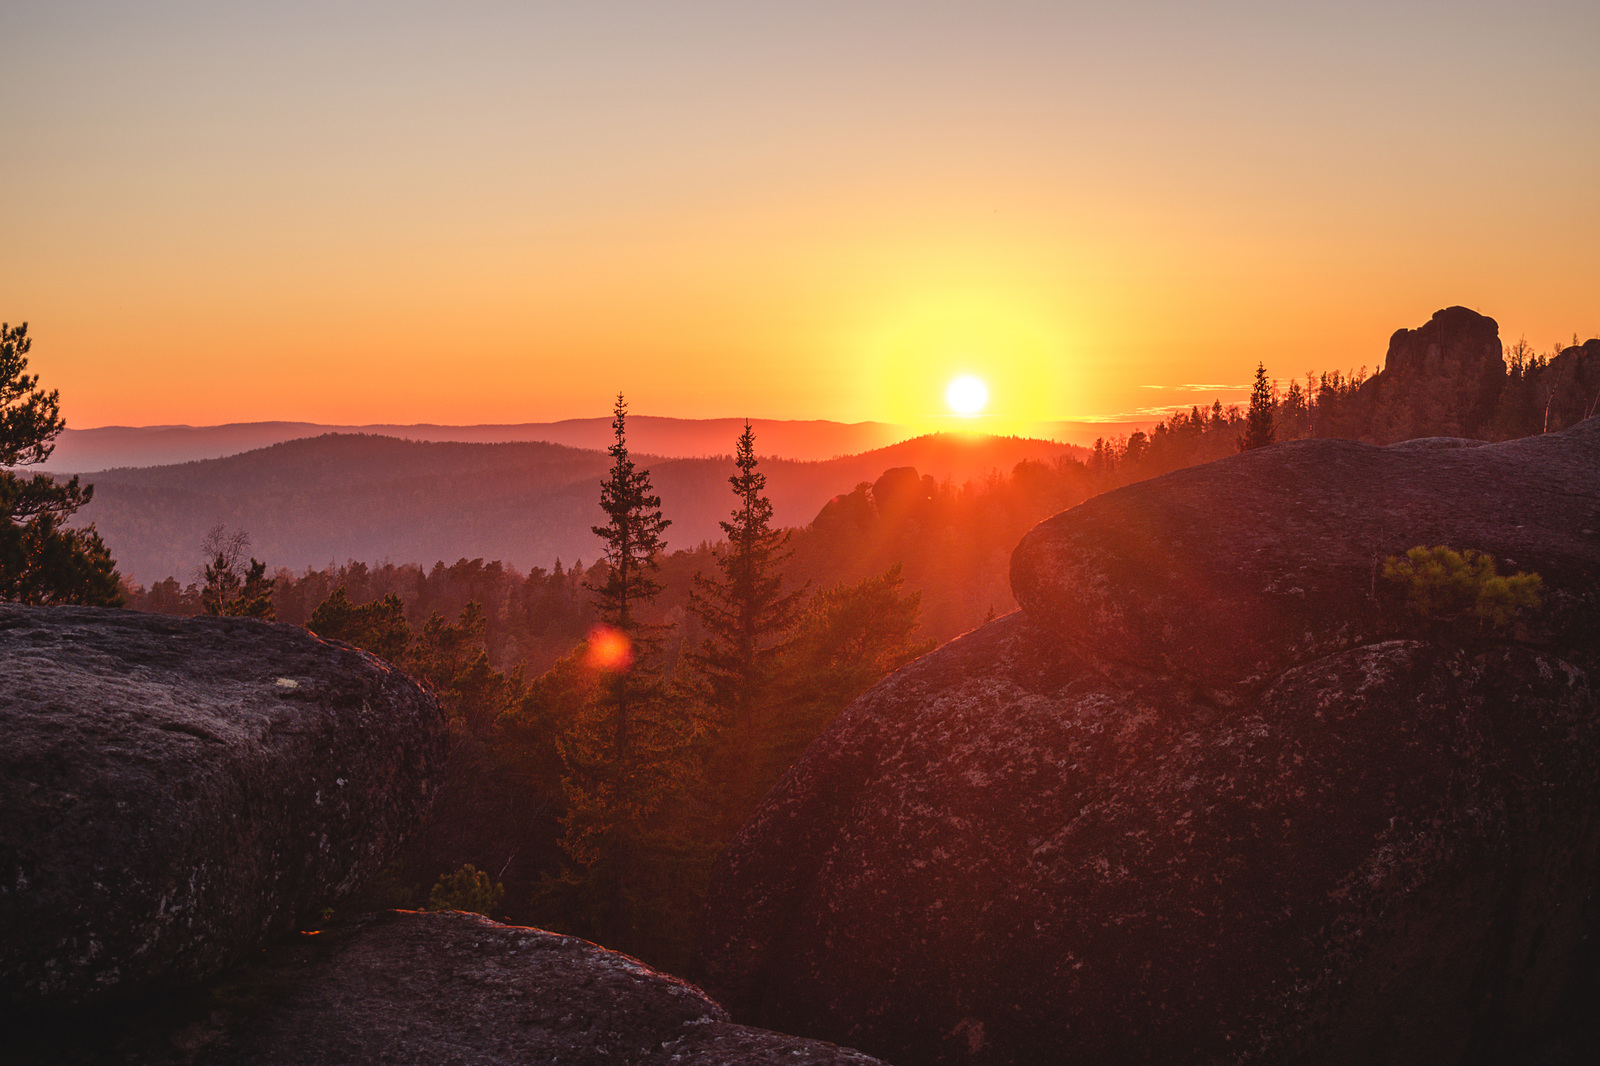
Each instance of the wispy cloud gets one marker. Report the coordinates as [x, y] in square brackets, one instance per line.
[1199, 388]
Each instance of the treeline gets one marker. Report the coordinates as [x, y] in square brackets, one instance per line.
[529, 619]
[1327, 405]
[1534, 394]
[952, 542]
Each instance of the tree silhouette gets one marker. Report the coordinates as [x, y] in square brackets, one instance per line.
[633, 540]
[628, 750]
[745, 611]
[41, 561]
[228, 586]
[379, 627]
[746, 615]
[1258, 421]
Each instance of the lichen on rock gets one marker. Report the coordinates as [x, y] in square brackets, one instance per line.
[175, 791]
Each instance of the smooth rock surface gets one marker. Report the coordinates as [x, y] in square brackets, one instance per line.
[1205, 799]
[175, 791]
[405, 988]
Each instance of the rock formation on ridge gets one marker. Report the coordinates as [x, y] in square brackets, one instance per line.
[1445, 375]
[1211, 796]
[175, 791]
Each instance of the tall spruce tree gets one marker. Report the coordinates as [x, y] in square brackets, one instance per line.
[747, 616]
[633, 540]
[1258, 423]
[745, 610]
[628, 751]
[42, 561]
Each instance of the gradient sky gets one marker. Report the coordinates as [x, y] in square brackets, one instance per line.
[505, 212]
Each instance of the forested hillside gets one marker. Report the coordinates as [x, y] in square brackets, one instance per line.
[330, 499]
[950, 540]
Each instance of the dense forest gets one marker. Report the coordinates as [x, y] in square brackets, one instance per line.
[886, 571]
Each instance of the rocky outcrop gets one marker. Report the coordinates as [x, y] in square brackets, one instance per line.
[1234, 570]
[1210, 797]
[412, 989]
[1445, 376]
[175, 791]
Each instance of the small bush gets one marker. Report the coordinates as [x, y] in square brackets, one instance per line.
[468, 889]
[1451, 588]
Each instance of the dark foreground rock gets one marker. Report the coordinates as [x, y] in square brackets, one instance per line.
[175, 791]
[411, 989]
[1210, 797]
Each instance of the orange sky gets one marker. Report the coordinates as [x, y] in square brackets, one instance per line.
[481, 213]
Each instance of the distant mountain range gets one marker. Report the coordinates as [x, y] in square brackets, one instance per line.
[341, 496]
[107, 447]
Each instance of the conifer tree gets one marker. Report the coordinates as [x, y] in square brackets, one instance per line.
[745, 612]
[229, 587]
[1259, 431]
[379, 627]
[628, 751]
[747, 617]
[42, 561]
[633, 540]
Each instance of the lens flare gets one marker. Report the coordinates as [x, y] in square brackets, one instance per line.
[609, 649]
[967, 396]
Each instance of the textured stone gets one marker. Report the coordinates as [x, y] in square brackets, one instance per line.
[175, 791]
[412, 989]
[403, 988]
[1206, 799]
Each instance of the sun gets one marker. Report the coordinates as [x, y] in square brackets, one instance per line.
[967, 396]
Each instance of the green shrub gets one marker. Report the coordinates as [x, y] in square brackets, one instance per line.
[468, 889]
[1451, 588]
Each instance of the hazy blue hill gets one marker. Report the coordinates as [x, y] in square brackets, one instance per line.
[105, 447]
[355, 496]
[346, 459]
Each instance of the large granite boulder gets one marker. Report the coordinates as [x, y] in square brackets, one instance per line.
[411, 989]
[1211, 796]
[175, 791]
[1231, 571]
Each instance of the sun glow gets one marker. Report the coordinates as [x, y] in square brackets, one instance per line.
[967, 361]
[967, 396]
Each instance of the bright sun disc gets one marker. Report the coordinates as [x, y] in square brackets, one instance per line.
[966, 396]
